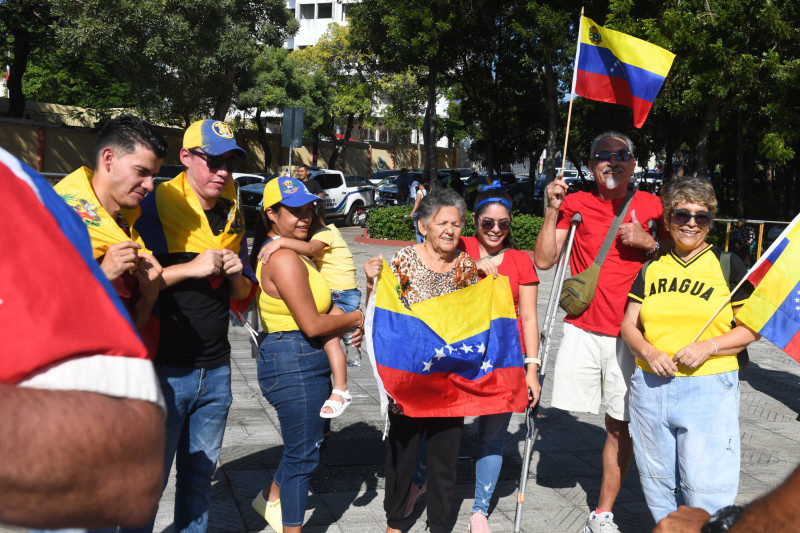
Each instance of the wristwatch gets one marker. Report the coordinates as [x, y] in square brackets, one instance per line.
[722, 520]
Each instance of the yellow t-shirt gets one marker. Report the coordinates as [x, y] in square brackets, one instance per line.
[678, 297]
[276, 316]
[335, 261]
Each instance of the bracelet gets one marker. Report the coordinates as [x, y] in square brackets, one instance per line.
[655, 250]
[715, 346]
[363, 319]
[534, 360]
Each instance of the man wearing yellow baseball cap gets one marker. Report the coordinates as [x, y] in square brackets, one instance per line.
[194, 228]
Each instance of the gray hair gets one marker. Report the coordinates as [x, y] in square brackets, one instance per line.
[692, 190]
[433, 202]
[606, 135]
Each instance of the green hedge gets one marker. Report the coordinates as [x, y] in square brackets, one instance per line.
[393, 223]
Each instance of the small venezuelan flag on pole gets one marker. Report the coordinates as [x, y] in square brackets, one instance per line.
[620, 69]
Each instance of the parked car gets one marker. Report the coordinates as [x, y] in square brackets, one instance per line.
[377, 177]
[346, 199]
[242, 178]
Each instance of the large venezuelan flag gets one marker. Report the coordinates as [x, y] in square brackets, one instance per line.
[57, 304]
[773, 310]
[618, 68]
[454, 355]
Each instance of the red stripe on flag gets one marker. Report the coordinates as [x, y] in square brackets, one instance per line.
[611, 90]
[793, 347]
[441, 394]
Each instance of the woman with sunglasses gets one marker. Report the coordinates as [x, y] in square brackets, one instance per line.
[684, 395]
[492, 250]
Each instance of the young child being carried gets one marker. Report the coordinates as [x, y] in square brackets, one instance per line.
[327, 248]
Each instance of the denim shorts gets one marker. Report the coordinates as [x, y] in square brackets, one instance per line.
[347, 300]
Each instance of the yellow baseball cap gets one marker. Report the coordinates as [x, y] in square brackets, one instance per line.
[287, 191]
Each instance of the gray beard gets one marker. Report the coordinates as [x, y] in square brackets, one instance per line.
[611, 182]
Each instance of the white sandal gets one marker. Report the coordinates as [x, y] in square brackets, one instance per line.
[336, 406]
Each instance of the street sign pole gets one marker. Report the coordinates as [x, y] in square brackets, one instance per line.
[292, 130]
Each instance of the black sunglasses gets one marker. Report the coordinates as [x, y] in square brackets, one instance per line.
[621, 155]
[215, 162]
[701, 218]
[487, 224]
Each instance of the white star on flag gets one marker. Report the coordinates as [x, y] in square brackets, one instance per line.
[466, 348]
[440, 353]
[486, 366]
[449, 348]
[481, 349]
[428, 365]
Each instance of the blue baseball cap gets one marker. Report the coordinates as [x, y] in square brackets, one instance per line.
[214, 137]
[287, 191]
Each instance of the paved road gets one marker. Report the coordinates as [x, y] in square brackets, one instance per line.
[347, 489]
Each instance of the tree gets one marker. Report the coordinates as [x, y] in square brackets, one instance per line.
[416, 34]
[184, 58]
[352, 83]
[25, 28]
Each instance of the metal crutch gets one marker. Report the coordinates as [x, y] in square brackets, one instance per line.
[544, 349]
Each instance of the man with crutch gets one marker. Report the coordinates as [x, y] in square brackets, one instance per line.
[593, 365]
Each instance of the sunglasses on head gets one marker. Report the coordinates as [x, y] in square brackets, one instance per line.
[621, 155]
[487, 224]
[215, 162]
[701, 218]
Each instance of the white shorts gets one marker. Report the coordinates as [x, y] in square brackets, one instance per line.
[592, 368]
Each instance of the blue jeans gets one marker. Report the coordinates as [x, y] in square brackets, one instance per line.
[685, 434]
[197, 400]
[294, 376]
[420, 238]
[347, 300]
[492, 431]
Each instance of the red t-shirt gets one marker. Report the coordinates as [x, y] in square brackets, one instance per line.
[516, 265]
[622, 263]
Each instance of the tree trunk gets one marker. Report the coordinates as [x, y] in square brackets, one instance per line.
[740, 178]
[224, 99]
[340, 145]
[16, 98]
[429, 124]
[669, 168]
[262, 140]
[552, 121]
[701, 148]
[491, 157]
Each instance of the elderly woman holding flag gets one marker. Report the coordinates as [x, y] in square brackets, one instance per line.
[684, 395]
[436, 368]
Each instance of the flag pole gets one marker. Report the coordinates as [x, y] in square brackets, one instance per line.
[728, 299]
[571, 95]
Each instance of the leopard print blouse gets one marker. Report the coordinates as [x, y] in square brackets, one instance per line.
[418, 282]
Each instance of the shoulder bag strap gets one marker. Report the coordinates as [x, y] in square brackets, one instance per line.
[612, 231]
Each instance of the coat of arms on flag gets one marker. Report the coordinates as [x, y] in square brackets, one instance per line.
[454, 355]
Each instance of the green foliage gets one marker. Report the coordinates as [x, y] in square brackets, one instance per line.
[392, 223]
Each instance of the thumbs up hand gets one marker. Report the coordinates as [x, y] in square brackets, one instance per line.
[633, 234]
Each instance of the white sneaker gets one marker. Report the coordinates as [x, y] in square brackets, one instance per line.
[600, 523]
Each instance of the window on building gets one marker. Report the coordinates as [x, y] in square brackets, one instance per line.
[306, 11]
[324, 11]
[345, 10]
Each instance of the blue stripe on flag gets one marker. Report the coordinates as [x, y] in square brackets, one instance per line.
[150, 228]
[778, 250]
[783, 325]
[472, 357]
[599, 60]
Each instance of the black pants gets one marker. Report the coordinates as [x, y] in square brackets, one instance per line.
[444, 439]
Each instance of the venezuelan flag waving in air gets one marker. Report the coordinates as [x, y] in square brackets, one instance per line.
[617, 68]
[453, 355]
[773, 309]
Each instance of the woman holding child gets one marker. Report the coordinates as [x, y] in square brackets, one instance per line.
[293, 369]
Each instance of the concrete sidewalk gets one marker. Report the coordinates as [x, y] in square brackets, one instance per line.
[347, 489]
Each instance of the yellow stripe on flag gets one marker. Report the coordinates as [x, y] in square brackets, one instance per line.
[627, 48]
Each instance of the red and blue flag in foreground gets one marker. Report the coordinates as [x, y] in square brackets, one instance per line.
[453, 355]
[60, 305]
[617, 68]
[773, 309]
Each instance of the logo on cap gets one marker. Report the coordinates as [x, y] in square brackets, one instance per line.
[288, 187]
[222, 129]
